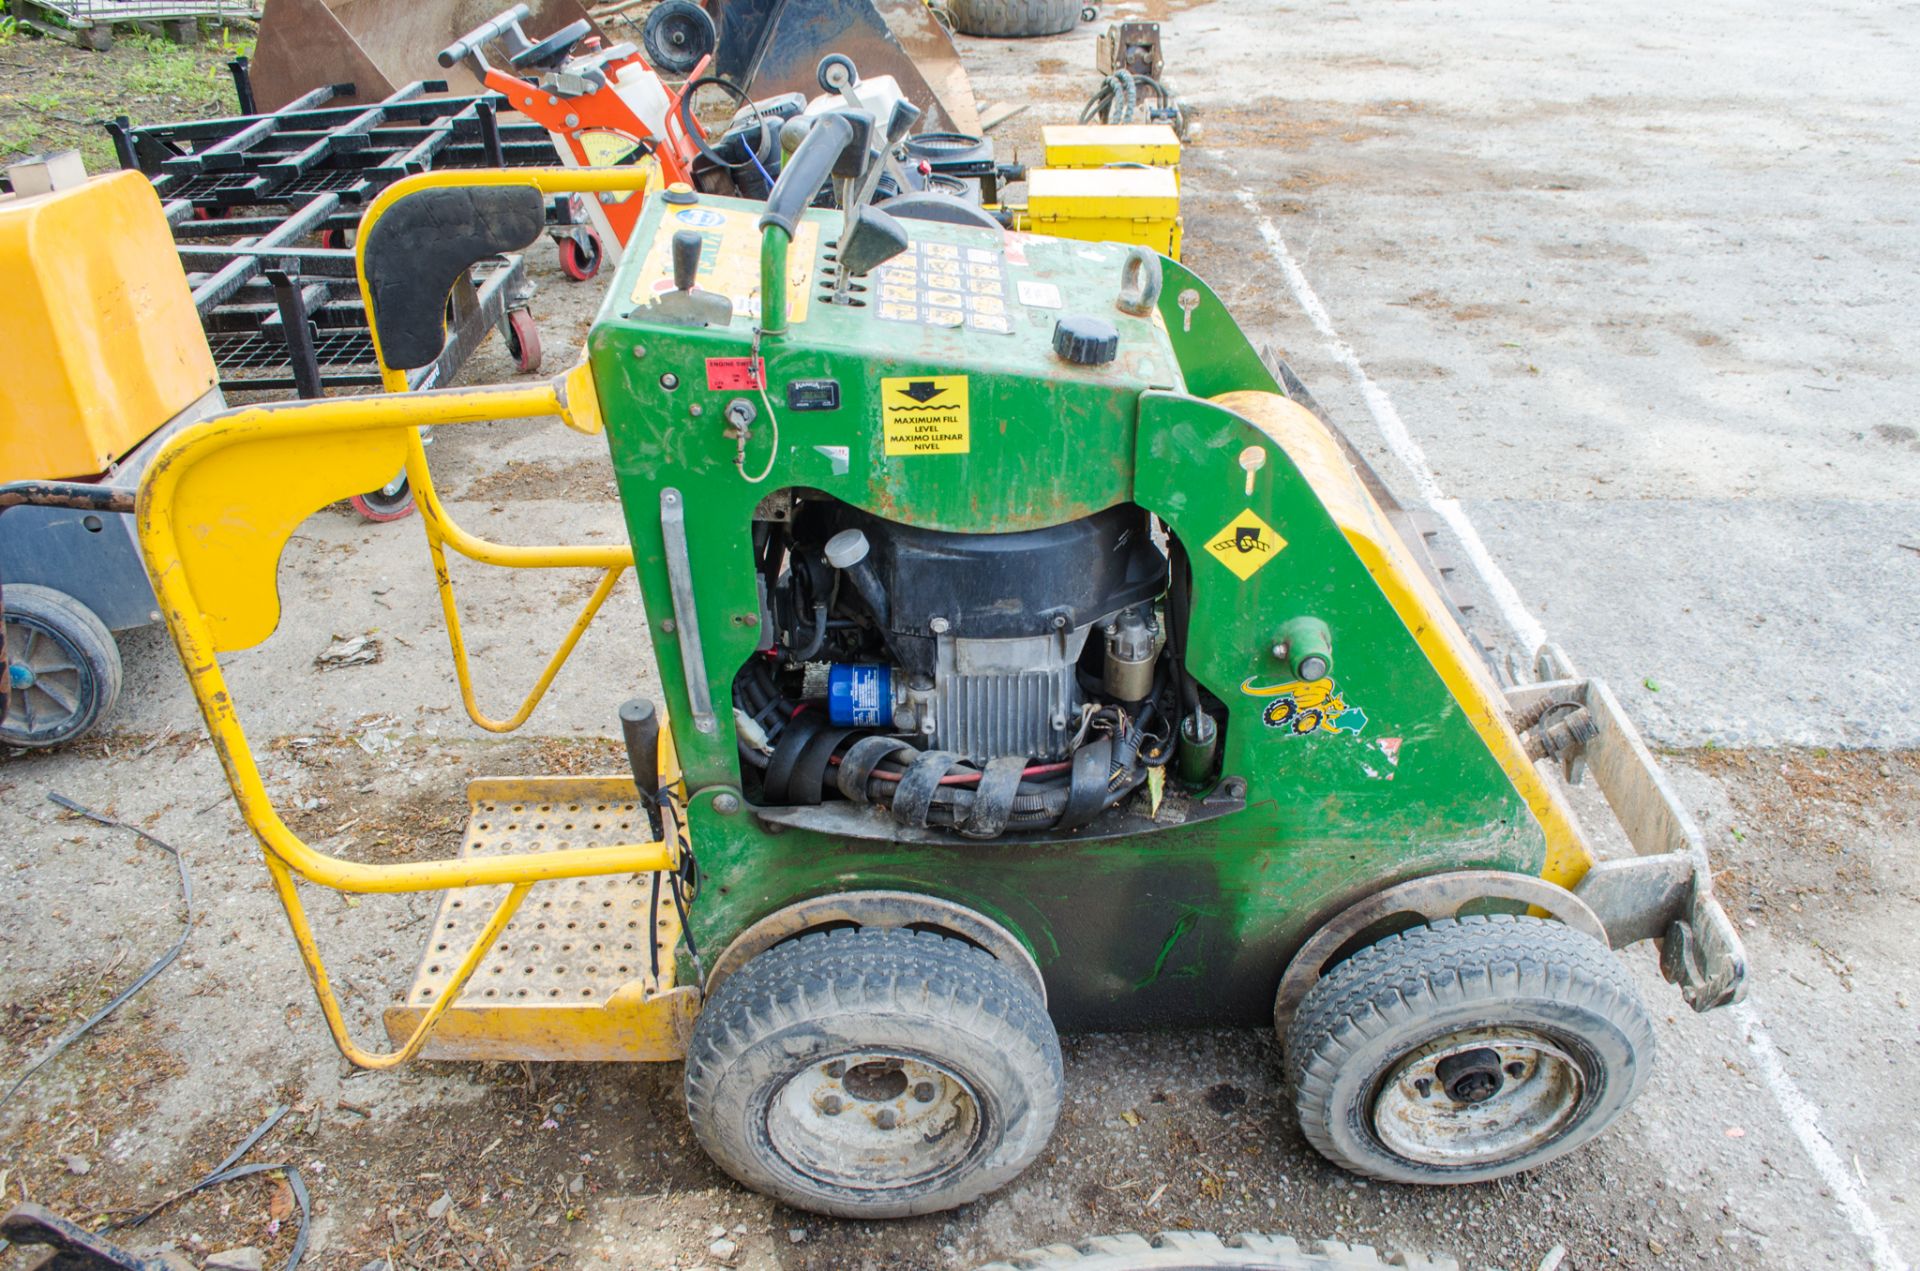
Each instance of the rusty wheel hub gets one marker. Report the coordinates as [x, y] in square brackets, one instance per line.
[874, 1120]
[1477, 1097]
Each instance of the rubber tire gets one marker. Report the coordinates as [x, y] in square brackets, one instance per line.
[1013, 19]
[822, 74]
[523, 341]
[380, 507]
[1360, 1018]
[581, 263]
[667, 59]
[1204, 1251]
[831, 992]
[88, 645]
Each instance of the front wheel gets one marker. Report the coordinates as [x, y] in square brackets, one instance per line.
[1467, 1050]
[874, 1073]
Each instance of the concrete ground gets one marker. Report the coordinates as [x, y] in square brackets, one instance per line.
[1619, 289]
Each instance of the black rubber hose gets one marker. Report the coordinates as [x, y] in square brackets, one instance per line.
[819, 636]
[1179, 616]
[692, 130]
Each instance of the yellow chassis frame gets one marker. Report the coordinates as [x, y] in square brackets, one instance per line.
[216, 510]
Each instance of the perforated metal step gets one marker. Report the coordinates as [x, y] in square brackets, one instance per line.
[572, 976]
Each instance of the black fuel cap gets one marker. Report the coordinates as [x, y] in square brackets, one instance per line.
[1085, 341]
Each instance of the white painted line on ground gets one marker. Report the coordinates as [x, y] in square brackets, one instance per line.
[1803, 1117]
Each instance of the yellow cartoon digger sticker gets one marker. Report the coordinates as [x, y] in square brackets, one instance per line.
[1306, 706]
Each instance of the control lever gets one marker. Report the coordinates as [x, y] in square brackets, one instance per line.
[686, 247]
[640, 730]
[869, 237]
[870, 240]
[686, 305]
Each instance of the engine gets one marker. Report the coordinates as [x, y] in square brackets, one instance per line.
[986, 683]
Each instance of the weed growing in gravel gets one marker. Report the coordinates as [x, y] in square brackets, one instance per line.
[166, 70]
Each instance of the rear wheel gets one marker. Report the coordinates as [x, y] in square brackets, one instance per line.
[63, 668]
[874, 1073]
[1467, 1050]
[1013, 18]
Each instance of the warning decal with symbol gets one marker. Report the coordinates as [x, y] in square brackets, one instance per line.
[925, 415]
[1245, 543]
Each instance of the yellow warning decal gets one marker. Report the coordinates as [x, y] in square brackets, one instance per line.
[1245, 543]
[925, 415]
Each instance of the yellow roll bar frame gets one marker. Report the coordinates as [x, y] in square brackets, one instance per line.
[215, 512]
[261, 492]
[441, 530]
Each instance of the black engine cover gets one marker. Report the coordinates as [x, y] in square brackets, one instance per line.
[1002, 586]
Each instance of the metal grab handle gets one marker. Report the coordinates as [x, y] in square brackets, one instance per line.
[812, 161]
[492, 28]
[1139, 282]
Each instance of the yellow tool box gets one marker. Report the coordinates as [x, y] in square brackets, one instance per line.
[103, 343]
[1105, 145]
[1117, 205]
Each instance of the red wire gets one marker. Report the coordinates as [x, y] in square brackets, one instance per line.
[970, 778]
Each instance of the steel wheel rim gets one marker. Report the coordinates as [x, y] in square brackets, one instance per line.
[874, 1121]
[48, 687]
[1435, 1106]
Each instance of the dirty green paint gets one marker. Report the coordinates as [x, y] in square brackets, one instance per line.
[1329, 816]
[1180, 928]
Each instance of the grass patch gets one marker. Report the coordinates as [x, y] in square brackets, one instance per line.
[54, 96]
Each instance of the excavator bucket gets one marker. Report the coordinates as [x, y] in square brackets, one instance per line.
[376, 45]
[775, 46]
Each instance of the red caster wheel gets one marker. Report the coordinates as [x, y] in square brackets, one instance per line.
[580, 261]
[391, 502]
[333, 238]
[523, 341]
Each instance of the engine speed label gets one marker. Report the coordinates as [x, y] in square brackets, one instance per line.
[925, 415]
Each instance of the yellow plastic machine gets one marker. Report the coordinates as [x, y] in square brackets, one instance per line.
[103, 344]
[105, 361]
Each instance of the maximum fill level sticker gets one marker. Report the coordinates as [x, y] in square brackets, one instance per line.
[925, 415]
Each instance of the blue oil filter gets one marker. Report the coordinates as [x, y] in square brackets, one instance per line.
[860, 696]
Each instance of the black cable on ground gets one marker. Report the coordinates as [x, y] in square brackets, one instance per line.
[230, 1170]
[164, 961]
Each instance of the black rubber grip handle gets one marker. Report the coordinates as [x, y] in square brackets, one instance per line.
[640, 729]
[455, 52]
[686, 258]
[801, 177]
[415, 254]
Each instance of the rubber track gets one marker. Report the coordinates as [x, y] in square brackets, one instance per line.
[1479, 958]
[1250, 1251]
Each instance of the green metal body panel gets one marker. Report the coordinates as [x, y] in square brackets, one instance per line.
[1186, 923]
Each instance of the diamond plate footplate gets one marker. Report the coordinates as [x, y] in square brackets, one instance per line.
[571, 977]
